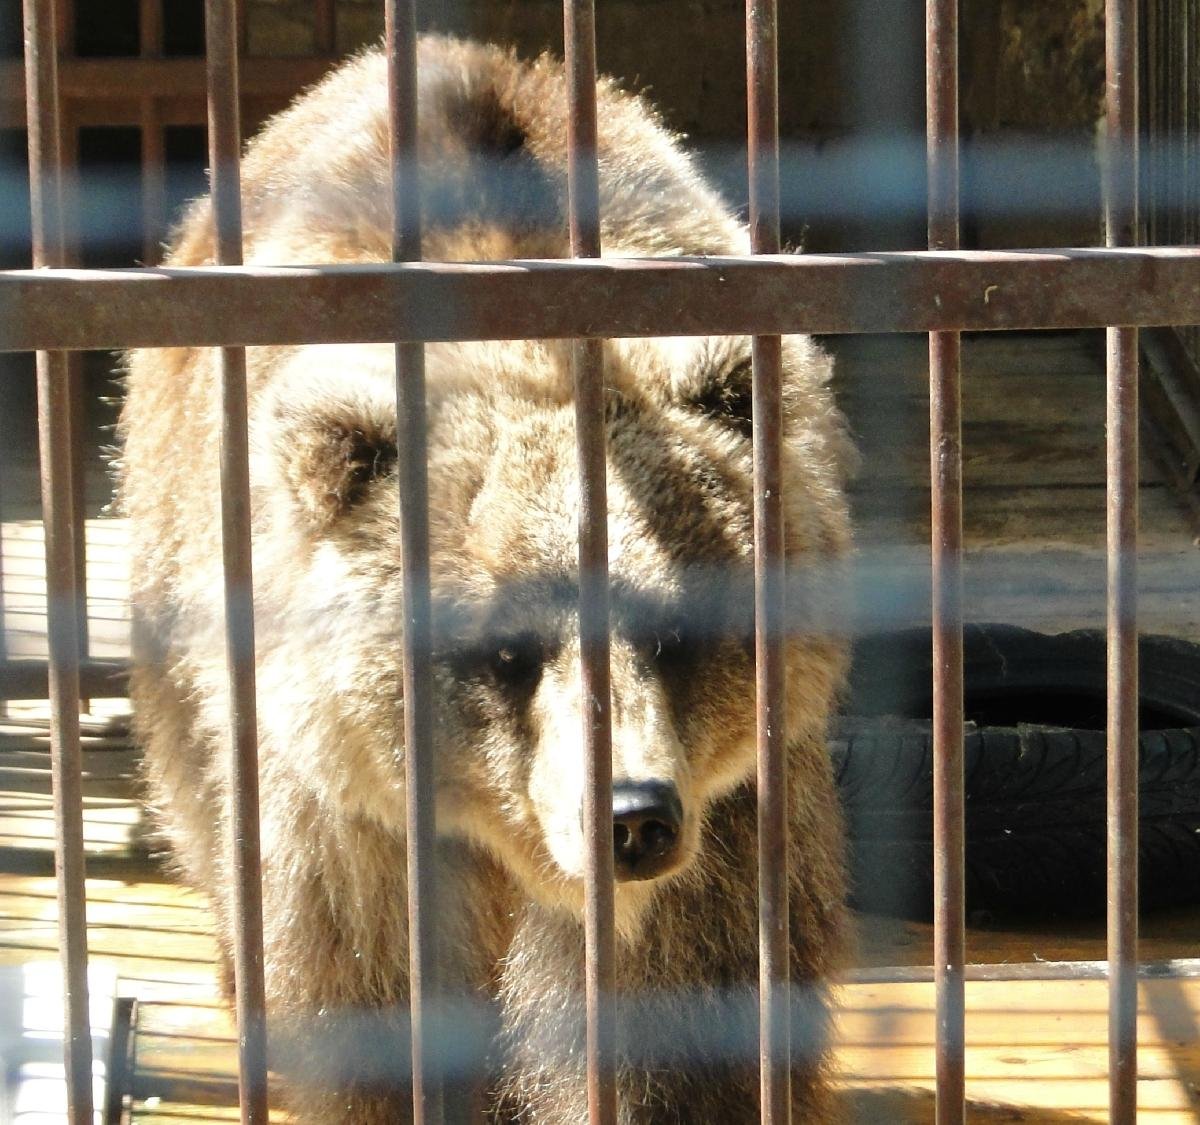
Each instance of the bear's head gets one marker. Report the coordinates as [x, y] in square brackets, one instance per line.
[504, 511]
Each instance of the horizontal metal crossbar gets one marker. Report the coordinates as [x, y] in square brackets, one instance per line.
[916, 291]
[1181, 968]
[98, 86]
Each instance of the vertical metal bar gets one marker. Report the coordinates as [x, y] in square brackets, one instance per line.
[68, 139]
[118, 1077]
[428, 1092]
[154, 182]
[68, 134]
[583, 179]
[325, 27]
[150, 27]
[1121, 226]
[945, 450]
[64, 28]
[62, 594]
[154, 173]
[224, 145]
[774, 939]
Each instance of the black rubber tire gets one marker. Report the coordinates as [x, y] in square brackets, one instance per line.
[1035, 786]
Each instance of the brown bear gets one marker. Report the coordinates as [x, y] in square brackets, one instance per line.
[504, 503]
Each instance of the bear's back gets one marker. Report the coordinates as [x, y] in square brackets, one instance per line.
[492, 130]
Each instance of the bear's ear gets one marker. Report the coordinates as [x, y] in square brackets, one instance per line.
[724, 394]
[330, 463]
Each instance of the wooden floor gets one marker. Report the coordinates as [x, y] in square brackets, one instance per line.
[1035, 531]
[1036, 1048]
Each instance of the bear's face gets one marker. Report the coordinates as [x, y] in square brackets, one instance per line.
[504, 509]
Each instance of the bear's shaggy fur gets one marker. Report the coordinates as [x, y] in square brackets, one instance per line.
[504, 502]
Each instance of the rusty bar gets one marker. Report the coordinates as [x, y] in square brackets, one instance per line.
[945, 451]
[150, 28]
[945, 424]
[70, 186]
[224, 146]
[64, 26]
[583, 173]
[909, 291]
[118, 1074]
[154, 172]
[325, 27]
[774, 944]
[428, 1093]
[583, 183]
[54, 389]
[154, 182]
[1181, 968]
[1121, 229]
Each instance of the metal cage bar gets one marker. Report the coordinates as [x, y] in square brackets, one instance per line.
[1121, 229]
[55, 393]
[910, 291]
[52, 308]
[325, 27]
[224, 147]
[583, 207]
[770, 636]
[945, 477]
[153, 154]
[412, 470]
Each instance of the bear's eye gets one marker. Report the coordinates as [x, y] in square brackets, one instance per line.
[364, 460]
[728, 398]
[517, 661]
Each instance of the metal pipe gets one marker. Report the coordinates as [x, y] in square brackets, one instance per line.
[1180, 968]
[224, 147]
[68, 138]
[583, 211]
[1120, 168]
[945, 451]
[154, 202]
[412, 466]
[325, 27]
[55, 409]
[774, 938]
[912, 291]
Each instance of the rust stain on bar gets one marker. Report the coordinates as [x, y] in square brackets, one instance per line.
[69, 186]
[910, 291]
[153, 155]
[412, 469]
[325, 27]
[945, 425]
[1121, 221]
[945, 451]
[1180, 968]
[583, 212]
[55, 389]
[1122, 818]
[154, 175]
[224, 147]
[774, 944]
[150, 28]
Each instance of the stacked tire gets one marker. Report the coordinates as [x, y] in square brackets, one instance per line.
[1035, 759]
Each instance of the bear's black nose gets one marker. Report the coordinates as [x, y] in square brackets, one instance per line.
[647, 816]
